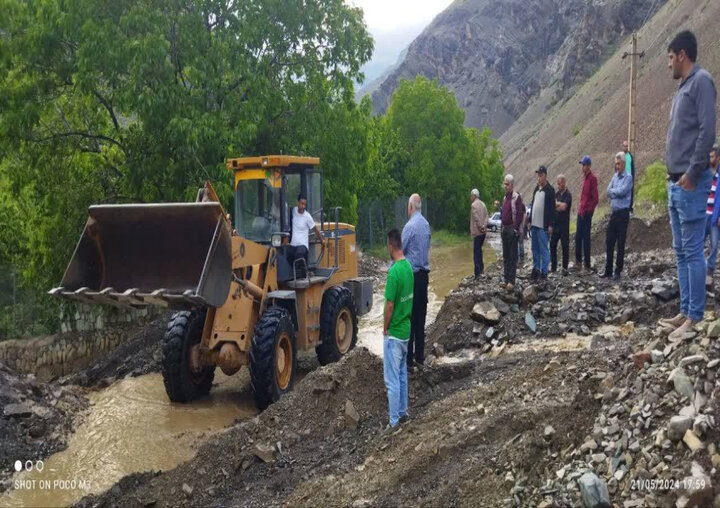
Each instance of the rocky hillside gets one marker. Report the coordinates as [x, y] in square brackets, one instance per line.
[594, 120]
[498, 55]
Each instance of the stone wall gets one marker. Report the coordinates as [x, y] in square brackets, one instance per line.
[87, 334]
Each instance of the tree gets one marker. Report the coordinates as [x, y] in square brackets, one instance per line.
[442, 160]
[137, 100]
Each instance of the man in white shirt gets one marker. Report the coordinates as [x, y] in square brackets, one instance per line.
[302, 223]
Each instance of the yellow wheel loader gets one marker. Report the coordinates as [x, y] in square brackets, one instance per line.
[241, 298]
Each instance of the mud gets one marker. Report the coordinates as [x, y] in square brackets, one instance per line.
[35, 419]
[479, 412]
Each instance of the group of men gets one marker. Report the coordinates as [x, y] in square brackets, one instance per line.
[548, 221]
[694, 208]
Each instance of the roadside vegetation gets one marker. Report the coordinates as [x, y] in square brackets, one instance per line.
[141, 102]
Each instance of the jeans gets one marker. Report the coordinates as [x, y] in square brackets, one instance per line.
[521, 248]
[395, 371]
[478, 242]
[416, 344]
[688, 221]
[540, 250]
[561, 232]
[616, 233]
[582, 239]
[510, 252]
[713, 231]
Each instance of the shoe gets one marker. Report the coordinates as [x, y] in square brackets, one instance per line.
[404, 418]
[565, 272]
[679, 333]
[709, 280]
[672, 322]
[509, 286]
[543, 276]
[605, 275]
[534, 275]
[617, 276]
[389, 429]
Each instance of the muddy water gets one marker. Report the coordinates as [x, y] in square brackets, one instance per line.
[448, 266]
[131, 426]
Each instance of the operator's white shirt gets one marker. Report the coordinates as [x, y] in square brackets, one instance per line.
[301, 226]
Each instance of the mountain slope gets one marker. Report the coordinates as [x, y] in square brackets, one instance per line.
[594, 120]
[497, 55]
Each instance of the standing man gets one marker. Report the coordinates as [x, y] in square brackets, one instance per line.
[588, 202]
[712, 229]
[620, 193]
[561, 228]
[630, 170]
[542, 216]
[690, 137]
[511, 218]
[478, 229]
[396, 328]
[416, 247]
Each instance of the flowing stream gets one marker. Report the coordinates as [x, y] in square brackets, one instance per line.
[132, 427]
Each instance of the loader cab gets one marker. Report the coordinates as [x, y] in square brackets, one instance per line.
[266, 191]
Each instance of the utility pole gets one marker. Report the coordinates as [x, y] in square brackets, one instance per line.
[633, 91]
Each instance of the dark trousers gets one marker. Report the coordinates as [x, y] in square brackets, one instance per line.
[295, 252]
[416, 344]
[561, 233]
[582, 239]
[616, 233]
[510, 253]
[478, 242]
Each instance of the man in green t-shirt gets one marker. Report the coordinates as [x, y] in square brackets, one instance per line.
[396, 328]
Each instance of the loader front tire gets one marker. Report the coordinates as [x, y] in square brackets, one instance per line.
[338, 325]
[273, 357]
[183, 332]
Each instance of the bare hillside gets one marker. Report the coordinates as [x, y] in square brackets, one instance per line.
[498, 55]
[594, 120]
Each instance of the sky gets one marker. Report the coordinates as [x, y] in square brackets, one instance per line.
[394, 24]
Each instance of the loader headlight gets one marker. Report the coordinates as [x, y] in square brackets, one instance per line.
[276, 240]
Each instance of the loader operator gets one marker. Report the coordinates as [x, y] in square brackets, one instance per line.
[302, 223]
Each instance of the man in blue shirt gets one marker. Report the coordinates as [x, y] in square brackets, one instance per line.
[620, 193]
[690, 137]
[416, 248]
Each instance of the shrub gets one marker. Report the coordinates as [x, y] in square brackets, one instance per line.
[653, 184]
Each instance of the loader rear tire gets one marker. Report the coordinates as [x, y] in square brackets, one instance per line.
[273, 357]
[183, 332]
[338, 325]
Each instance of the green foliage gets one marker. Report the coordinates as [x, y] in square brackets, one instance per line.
[422, 146]
[132, 101]
[653, 185]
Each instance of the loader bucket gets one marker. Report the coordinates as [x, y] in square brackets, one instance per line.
[175, 255]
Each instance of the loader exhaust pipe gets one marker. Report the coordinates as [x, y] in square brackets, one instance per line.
[175, 255]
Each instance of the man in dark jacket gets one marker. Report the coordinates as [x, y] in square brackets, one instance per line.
[561, 227]
[542, 216]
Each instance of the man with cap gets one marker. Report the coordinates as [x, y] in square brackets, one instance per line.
[588, 202]
[478, 229]
[542, 216]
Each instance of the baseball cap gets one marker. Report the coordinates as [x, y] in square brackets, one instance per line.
[541, 169]
[586, 160]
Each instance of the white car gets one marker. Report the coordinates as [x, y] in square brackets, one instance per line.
[493, 223]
